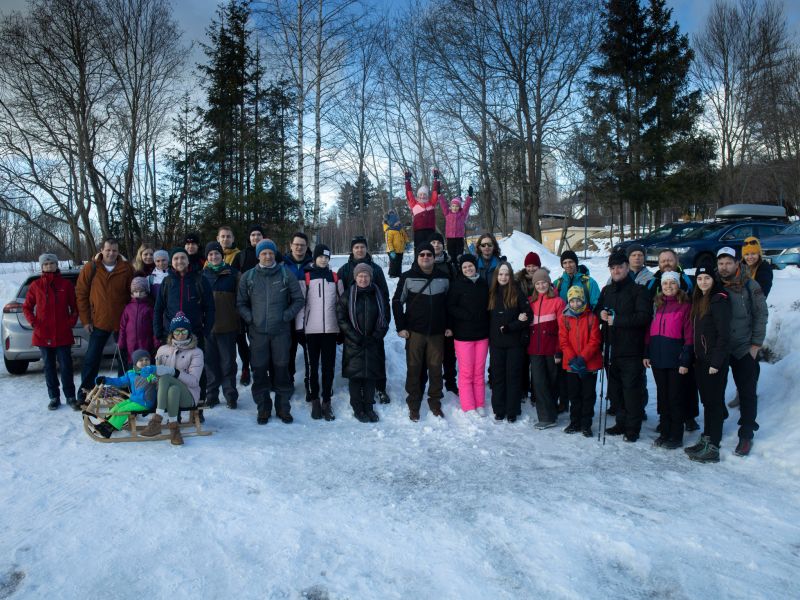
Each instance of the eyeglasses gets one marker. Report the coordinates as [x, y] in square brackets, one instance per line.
[425, 255]
[487, 245]
[302, 245]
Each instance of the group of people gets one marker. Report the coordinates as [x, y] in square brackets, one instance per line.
[180, 316]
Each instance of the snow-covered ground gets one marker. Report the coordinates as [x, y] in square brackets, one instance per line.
[437, 509]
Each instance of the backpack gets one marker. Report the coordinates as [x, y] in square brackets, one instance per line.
[584, 283]
[248, 278]
[335, 278]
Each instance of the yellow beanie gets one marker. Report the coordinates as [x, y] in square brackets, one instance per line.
[576, 291]
[751, 244]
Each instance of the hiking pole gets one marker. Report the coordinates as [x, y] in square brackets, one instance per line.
[600, 414]
[606, 360]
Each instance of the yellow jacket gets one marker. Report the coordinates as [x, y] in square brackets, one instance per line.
[396, 239]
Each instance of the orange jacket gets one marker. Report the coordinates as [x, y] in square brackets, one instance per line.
[102, 296]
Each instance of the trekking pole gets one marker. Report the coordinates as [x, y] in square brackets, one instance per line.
[604, 397]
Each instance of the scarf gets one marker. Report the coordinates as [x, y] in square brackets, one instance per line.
[351, 307]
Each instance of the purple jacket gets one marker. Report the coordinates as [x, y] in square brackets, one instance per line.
[669, 341]
[455, 222]
[136, 327]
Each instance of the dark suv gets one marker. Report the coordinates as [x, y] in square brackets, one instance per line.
[670, 231]
[17, 333]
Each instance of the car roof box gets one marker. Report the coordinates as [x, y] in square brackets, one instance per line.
[740, 211]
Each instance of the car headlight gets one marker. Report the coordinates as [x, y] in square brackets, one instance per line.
[681, 249]
[795, 250]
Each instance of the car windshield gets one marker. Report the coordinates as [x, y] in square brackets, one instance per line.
[707, 231]
[793, 229]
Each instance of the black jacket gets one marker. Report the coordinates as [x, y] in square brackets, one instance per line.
[505, 328]
[362, 353]
[633, 310]
[712, 331]
[345, 273]
[420, 301]
[246, 259]
[467, 309]
[444, 264]
[763, 276]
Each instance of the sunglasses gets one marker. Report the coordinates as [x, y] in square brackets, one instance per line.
[181, 331]
[487, 245]
[425, 255]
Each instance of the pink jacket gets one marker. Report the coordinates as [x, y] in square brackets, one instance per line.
[188, 360]
[455, 222]
[136, 327]
[670, 338]
[544, 325]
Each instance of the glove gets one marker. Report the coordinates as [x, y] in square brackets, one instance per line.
[578, 366]
[392, 254]
[176, 374]
[408, 175]
[100, 379]
[436, 173]
[469, 191]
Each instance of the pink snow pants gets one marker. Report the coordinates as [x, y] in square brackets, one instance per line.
[471, 369]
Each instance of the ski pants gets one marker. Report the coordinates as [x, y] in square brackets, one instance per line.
[625, 392]
[471, 372]
[544, 375]
[506, 365]
[712, 394]
[745, 374]
[321, 345]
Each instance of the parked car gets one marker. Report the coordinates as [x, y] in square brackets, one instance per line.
[734, 223]
[17, 333]
[783, 250]
[671, 231]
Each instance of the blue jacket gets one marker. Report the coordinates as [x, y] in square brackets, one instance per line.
[190, 294]
[298, 269]
[143, 385]
[590, 287]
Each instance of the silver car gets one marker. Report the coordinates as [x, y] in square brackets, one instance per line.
[17, 333]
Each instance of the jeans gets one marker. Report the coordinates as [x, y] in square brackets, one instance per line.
[93, 357]
[62, 355]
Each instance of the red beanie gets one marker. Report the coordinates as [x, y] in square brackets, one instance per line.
[533, 259]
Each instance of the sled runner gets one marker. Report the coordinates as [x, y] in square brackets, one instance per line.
[99, 402]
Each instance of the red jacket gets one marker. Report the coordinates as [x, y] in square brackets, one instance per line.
[424, 215]
[580, 336]
[544, 325]
[51, 309]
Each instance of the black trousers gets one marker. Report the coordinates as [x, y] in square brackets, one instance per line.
[506, 365]
[242, 346]
[691, 402]
[625, 392]
[745, 372]
[671, 391]
[362, 394]
[544, 375]
[582, 393]
[455, 247]
[396, 265]
[321, 346]
[421, 236]
[712, 395]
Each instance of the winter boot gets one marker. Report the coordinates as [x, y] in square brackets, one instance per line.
[672, 444]
[615, 430]
[709, 453]
[263, 416]
[76, 404]
[700, 445]
[413, 414]
[232, 403]
[572, 428]
[153, 427]
[587, 432]
[54, 404]
[316, 409]
[372, 416]
[691, 425]
[437, 412]
[383, 397]
[743, 447]
[630, 437]
[286, 418]
[547, 425]
[175, 437]
[361, 416]
[105, 429]
[452, 387]
[245, 378]
[327, 411]
[72, 402]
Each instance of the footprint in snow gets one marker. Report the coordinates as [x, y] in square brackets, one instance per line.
[10, 582]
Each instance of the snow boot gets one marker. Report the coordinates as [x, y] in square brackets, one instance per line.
[413, 414]
[709, 453]
[232, 403]
[153, 427]
[245, 378]
[383, 397]
[512, 418]
[615, 430]
[545, 425]
[372, 416]
[437, 412]
[672, 444]
[175, 437]
[54, 404]
[452, 388]
[361, 416]
[316, 409]
[286, 418]
[327, 411]
[659, 441]
[263, 416]
[72, 402]
[700, 445]
[76, 404]
[587, 432]
[572, 428]
[691, 425]
[743, 447]
[630, 437]
[105, 429]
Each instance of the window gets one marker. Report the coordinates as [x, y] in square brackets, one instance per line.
[739, 233]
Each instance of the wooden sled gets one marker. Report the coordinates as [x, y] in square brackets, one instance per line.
[103, 397]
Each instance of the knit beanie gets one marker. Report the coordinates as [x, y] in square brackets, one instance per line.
[436, 236]
[362, 268]
[160, 254]
[569, 255]
[576, 292]
[211, 246]
[359, 239]
[423, 189]
[617, 258]
[139, 354]
[180, 321]
[139, 284]
[178, 250]
[47, 257]
[193, 238]
[468, 258]
[456, 200]
[321, 250]
[751, 244]
[255, 228]
[706, 268]
[541, 275]
[424, 246]
[531, 258]
[671, 275]
[634, 248]
[266, 244]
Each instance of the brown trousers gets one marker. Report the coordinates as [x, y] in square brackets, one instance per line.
[424, 351]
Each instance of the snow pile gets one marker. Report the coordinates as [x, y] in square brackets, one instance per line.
[516, 246]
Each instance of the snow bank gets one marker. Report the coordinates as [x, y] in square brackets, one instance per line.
[516, 246]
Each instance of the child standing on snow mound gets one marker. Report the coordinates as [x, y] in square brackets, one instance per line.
[142, 381]
[423, 210]
[136, 323]
[396, 239]
[455, 217]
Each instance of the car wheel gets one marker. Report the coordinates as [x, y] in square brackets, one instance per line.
[705, 257]
[16, 367]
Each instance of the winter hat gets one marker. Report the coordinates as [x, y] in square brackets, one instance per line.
[576, 292]
[321, 250]
[468, 258]
[424, 246]
[178, 250]
[751, 244]
[266, 244]
[531, 258]
[634, 248]
[255, 228]
[160, 254]
[192, 238]
[457, 200]
[391, 217]
[726, 251]
[359, 239]
[423, 188]
[180, 321]
[673, 275]
[617, 258]
[139, 284]
[705, 269]
[47, 257]
[362, 268]
[569, 255]
[215, 245]
[436, 236]
[541, 275]
[139, 354]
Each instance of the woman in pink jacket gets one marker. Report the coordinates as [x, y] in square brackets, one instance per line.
[668, 351]
[422, 210]
[543, 348]
[455, 218]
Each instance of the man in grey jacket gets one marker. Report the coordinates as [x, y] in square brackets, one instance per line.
[268, 300]
[748, 328]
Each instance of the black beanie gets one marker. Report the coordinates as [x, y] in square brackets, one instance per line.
[468, 258]
[359, 239]
[213, 246]
[321, 250]
[617, 258]
[424, 246]
[569, 255]
[436, 236]
[256, 228]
